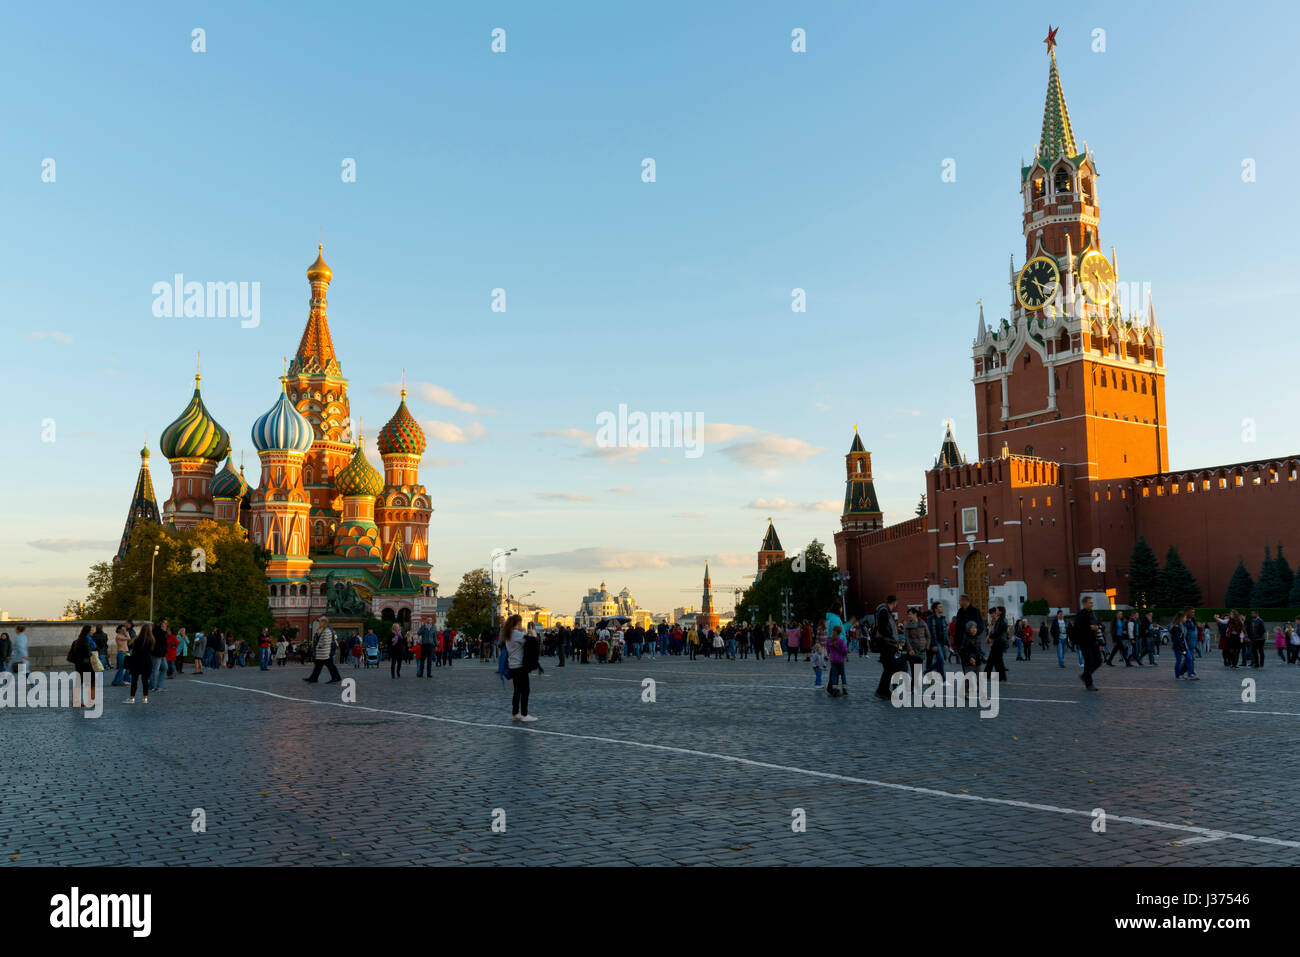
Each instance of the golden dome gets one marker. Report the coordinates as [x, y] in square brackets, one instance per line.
[319, 271]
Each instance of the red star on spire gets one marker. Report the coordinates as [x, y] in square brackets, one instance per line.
[1051, 39]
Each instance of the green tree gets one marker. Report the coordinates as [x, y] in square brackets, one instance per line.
[1239, 587]
[473, 604]
[1286, 577]
[920, 507]
[1143, 575]
[1272, 587]
[230, 592]
[1176, 585]
[813, 590]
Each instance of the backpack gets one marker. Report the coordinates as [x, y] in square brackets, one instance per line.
[503, 663]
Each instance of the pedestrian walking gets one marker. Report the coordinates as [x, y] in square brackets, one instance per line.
[889, 643]
[1087, 632]
[838, 652]
[161, 636]
[323, 653]
[396, 652]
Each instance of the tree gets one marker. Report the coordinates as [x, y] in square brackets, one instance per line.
[813, 591]
[229, 593]
[474, 603]
[1143, 575]
[1239, 587]
[74, 609]
[1273, 586]
[1286, 576]
[920, 507]
[1176, 586]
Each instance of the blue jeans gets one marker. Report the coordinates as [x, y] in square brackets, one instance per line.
[837, 671]
[934, 660]
[731, 648]
[266, 659]
[1060, 652]
[1180, 662]
[159, 673]
[1191, 657]
[818, 682]
[122, 674]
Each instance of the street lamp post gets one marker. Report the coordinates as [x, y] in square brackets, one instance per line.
[842, 576]
[508, 577]
[502, 554]
[786, 594]
[152, 559]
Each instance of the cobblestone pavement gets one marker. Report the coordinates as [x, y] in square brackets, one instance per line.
[709, 773]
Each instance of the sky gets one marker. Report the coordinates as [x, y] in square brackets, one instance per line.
[523, 171]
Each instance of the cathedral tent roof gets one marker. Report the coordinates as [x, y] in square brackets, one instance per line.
[397, 576]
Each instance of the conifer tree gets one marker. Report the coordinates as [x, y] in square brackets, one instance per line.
[1143, 574]
[1239, 587]
[1176, 586]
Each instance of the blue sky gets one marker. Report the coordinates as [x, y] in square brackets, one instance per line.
[522, 171]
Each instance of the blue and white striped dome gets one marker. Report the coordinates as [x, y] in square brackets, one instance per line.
[283, 428]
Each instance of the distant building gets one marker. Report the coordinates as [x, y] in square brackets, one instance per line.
[599, 603]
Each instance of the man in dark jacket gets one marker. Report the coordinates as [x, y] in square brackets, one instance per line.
[889, 643]
[938, 625]
[967, 613]
[1086, 633]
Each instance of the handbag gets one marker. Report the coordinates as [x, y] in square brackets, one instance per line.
[96, 663]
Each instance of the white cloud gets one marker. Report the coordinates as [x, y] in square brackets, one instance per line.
[73, 544]
[453, 434]
[623, 491]
[564, 496]
[38, 334]
[785, 505]
[723, 432]
[771, 451]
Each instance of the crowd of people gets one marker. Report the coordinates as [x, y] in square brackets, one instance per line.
[147, 656]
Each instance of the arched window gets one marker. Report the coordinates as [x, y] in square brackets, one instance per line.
[1038, 187]
[1061, 181]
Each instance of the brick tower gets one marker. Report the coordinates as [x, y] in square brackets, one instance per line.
[1076, 374]
[770, 552]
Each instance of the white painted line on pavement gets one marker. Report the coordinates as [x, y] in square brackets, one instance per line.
[768, 765]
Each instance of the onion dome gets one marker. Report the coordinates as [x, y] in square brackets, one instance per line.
[402, 434]
[359, 477]
[283, 428]
[195, 434]
[319, 271]
[229, 483]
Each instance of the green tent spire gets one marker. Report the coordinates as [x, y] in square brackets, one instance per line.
[1058, 136]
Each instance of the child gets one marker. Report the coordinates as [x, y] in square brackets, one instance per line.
[818, 662]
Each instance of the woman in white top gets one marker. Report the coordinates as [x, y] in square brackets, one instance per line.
[514, 637]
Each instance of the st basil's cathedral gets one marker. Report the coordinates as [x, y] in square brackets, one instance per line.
[344, 540]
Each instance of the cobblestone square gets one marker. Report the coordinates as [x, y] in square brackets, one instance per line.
[711, 772]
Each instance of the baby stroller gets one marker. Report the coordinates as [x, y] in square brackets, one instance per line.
[372, 655]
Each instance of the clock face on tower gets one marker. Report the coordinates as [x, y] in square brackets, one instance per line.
[1097, 277]
[1038, 282]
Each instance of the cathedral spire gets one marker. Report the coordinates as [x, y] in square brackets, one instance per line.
[1058, 136]
[316, 348]
[144, 503]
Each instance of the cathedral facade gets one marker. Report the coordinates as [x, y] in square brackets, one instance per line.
[1072, 461]
[343, 539]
